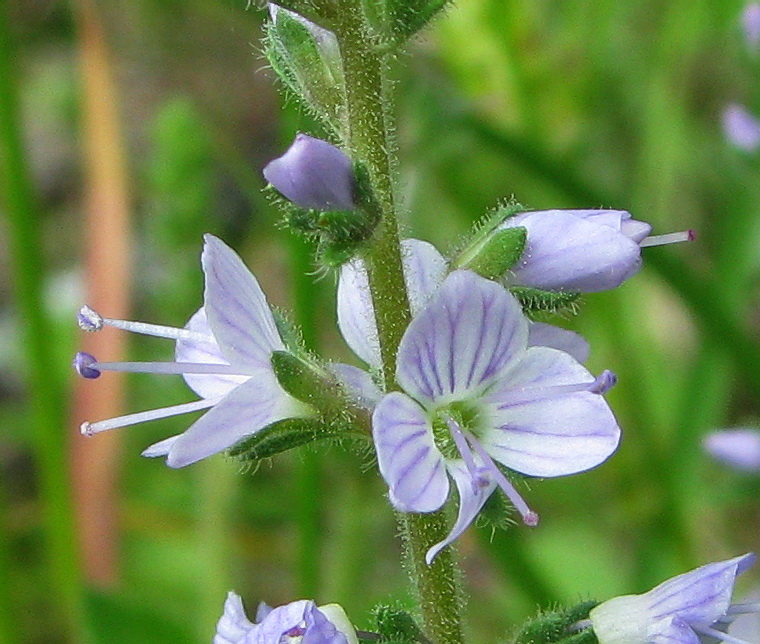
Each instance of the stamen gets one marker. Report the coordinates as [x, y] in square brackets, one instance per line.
[176, 368]
[600, 385]
[670, 238]
[89, 429]
[90, 320]
[480, 477]
[529, 517]
[83, 362]
[725, 637]
[743, 609]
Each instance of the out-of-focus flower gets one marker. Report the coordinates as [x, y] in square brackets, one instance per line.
[741, 127]
[581, 250]
[739, 448]
[688, 609]
[295, 623]
[751, 25]
[314, 174]
[223, 353]
[424, 271]
[475, 395]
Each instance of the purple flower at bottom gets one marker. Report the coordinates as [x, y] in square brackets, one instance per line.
[688, 609]
[741, 127]
[581, 250]
[223, 353]
[739, 448]
[474, 395]
[314, 174]
[300, 622]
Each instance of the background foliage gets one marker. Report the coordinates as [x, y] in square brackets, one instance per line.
[557, 104]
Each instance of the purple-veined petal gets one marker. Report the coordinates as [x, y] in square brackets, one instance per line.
[672, 631]
[424, 270]
[700, 596]
[197, 351]
[320, 630]
[472, 497]
[233, 625]
[262, 610]
[565, 251]
[161, 448]
[359, 384]
[236, 308]
[540, 434]
[739, 448]
[255, 404]
[541, 334]
[279, 621]
[407, 456]
[463, 341]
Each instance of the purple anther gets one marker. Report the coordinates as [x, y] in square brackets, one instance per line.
[604, 382]
[83, 364]
[89, 320]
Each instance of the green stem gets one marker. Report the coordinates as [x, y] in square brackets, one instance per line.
[438, 586]
[44, 383]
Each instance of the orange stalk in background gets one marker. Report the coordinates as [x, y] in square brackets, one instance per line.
[95, 463]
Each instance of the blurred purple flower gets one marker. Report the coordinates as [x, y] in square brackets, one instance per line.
[314, 174]
[581, 250]
[751, 25]
[688, 609]
[739, 448]
[223, 353]
[475, 394]
[741, 128]
[298, 622]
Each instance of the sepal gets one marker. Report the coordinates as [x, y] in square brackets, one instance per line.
[399, 20]
[500, 252]
[535, 300]
[558, 627]
[397, 626]
[281, 437]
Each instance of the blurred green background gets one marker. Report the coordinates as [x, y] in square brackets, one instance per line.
[131, 128]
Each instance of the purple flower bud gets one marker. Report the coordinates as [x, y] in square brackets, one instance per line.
[751, 24]
[314, 174]
[741, 128]
[739, 448]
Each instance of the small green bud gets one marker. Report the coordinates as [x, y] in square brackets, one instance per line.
[534, 300]
[396, 625]
[307, 382]
[281, 437]
[561, 626]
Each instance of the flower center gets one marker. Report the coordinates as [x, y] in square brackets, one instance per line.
[465, 414]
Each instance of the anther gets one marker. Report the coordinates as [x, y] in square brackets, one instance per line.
[603, 383]
[89, 320]
[83, 363]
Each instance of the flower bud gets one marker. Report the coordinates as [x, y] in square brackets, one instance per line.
[314, 175]
[741, 128]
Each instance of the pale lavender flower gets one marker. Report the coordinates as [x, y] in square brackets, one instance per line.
[741, 127]
[581, 250]
[751, 25]
[314, 174]
[739, 448]
[223, 353]
[688, 609]
[300, 622]
[474, 394]
[424, 271]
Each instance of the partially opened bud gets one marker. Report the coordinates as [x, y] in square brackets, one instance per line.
[314, 175]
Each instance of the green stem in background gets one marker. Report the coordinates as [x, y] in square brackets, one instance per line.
[438, 586]
[45, 386]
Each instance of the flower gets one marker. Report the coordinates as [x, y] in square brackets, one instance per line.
[223, 353]
[751, 25]
[741, 127]
[475, 394]
[299, 621]
[682, 610]
[314, 174]
[424, 271]
[739, 448]
[581, 250]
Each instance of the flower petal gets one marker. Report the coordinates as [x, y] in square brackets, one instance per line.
[548, 335]
[236, 308]
[462, 342]
[320, 630]
[408, 458]
[279, 621]
[567, 252]
[161, 448]
[701, 596]
[359, 384]
[424, 270]
[233, 625]
[672, 631]
[197, 351]
[472, 497]
[739, 448]
[255, 404]
[549, 435]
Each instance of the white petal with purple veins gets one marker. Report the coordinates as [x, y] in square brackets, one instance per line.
[236, 308]
[541, 334]
[359, 384]
[407, 455]
[462, 342]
